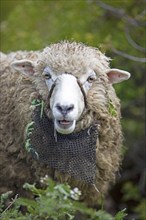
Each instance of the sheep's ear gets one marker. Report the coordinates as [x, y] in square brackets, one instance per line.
[117, 76]
[24, 66]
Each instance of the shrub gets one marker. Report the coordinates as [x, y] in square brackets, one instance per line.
[53, 202]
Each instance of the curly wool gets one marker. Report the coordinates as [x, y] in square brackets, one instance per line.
[17, 167]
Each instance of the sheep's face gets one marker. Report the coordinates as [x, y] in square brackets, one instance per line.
[67, 97]
[64, 73]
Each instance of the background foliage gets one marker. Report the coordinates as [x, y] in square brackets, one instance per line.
[117, 27]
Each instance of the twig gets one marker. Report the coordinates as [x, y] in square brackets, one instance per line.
[132, 42]
[130, 57]
[120, 13]
[11, 203]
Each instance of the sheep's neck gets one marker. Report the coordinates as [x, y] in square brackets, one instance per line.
[73, 154]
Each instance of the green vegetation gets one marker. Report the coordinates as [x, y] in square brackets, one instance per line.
[112, 109]
[55, 202]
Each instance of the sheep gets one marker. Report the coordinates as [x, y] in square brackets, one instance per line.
[75, 82]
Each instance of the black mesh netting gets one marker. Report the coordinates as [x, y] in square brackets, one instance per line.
[73, 154]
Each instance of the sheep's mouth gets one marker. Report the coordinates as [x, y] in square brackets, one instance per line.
[64, 126]
[64, 123]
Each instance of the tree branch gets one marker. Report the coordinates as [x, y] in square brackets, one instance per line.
[120, 13]
[10, 204]
[130, 57]
[132, 42]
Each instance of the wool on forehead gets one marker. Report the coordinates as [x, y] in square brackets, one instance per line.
[71, 57]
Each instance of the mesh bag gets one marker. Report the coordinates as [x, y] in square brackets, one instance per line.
[73, 154]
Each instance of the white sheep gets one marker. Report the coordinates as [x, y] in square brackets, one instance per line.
[74, 82]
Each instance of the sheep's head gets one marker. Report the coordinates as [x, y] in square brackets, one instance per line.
[64, 74]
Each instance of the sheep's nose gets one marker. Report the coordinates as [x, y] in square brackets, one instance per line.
[64, 109]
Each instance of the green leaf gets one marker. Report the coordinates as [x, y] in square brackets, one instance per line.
[102, 215]
[112, 109]
[29, 128]
[120, 215]
[38, 102]
[33, 189]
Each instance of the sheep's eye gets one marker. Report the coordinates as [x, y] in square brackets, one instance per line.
[91, 79]
[47, 75]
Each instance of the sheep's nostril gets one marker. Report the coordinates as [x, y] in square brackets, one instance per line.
[70, 108]
[64, 109]
[59, 108]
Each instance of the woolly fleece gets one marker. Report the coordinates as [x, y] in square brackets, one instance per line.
[17, 92]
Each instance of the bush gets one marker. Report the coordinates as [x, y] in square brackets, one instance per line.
[53, 202]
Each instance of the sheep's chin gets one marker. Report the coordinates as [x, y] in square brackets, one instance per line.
[64, 128]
